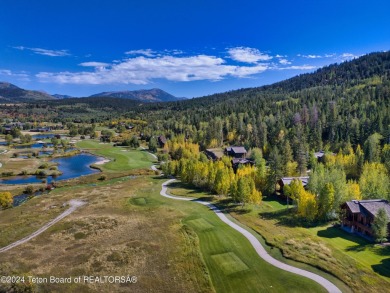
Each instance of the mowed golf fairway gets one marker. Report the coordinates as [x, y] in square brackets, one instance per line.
[233, 264]
[121, 158]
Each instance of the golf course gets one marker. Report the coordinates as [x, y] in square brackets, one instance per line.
[126, 227]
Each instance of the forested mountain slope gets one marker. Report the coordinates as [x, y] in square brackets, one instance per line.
[333, 106]
[12, 93]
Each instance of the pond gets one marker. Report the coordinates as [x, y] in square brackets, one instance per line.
[71, 167]
[21, 198]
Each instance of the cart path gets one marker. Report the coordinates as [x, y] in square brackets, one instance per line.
[74, 204]
[329, 286]
[153, 167]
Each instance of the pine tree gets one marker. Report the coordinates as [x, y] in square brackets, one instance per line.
[379, 225]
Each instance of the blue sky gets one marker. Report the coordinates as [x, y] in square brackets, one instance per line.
[188, 48]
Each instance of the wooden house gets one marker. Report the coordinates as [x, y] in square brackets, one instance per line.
[287, 181]
[358, 215]
[237, 162]
[236, 151]
[161, 141]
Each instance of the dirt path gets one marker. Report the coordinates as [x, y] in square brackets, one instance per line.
[330, 287]
[74, 204]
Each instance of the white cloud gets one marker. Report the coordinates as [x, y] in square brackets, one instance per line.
[144, 52]
[147, 65]
[45, 52]
[348, 56]
[94, 64]
[297, 67]
[312, 56]
[142, 70]
[284, 61]
[300, 67]
[19, 75]
[247, 55]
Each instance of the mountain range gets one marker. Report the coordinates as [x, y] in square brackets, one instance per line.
[149, 96]
[12, 93]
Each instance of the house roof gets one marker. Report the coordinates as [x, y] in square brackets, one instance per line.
[354, 208]
[241, 161]
[319, 154]
[238, 150]
[369, 206]
[217, 152]
[162, 139]
[288, 180]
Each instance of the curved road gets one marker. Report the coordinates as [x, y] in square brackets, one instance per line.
[256, 244]
[74, 204]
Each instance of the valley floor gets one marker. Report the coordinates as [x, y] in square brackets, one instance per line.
[127, 228]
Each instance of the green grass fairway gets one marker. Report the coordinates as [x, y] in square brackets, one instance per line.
[120, 160]
[259, 275]
[232, 262]
[366, 253]
[201, 224]
[229, 263]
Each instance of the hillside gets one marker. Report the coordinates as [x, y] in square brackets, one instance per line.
[146, 96]
[338, 104]
[346, 74]
[12, 93]
[59, 96]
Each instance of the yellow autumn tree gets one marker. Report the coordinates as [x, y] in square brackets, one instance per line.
[353, 190]
[307, 205]
[6, 199]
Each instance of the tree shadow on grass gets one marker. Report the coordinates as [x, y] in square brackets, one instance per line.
[362, 244]
[274, 197]
[286, 217]
[231, 206]
[383, 268]
[191, 189]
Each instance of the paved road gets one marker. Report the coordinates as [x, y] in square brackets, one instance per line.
[74, 204]
[256, 244]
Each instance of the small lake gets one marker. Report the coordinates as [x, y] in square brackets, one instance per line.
[71, 167]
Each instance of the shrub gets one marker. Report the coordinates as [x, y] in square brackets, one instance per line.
[29, 189]
[102, 177]
[44, 166]
[7, 174]
[40, 173]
